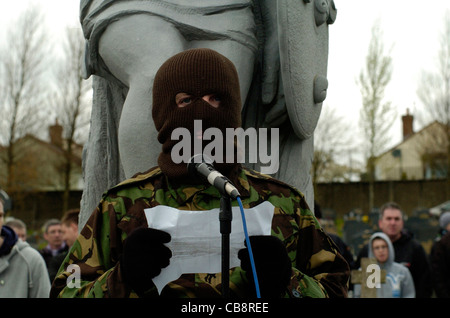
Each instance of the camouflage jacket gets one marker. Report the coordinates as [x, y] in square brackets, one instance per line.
[318, 270]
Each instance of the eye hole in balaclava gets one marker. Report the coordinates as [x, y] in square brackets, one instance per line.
[184, 99]
[196, 73]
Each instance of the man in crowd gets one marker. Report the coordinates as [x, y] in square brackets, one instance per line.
[53, 236]
[440, 258]
[22, 269]
[19, 227]
[69, 228]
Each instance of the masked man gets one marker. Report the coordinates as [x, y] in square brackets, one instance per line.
[119, 255]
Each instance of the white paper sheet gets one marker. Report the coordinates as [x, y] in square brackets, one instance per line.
[196, 239]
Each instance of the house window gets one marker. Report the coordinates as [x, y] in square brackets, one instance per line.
[436, 168]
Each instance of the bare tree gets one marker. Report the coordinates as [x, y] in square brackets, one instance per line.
[23, 66]
[377, 115]
[333, 140]
[71, 103]
[434, 93]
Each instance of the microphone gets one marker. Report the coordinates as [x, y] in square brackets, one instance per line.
[202, 166]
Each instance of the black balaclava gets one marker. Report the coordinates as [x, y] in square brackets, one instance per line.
[197, 72]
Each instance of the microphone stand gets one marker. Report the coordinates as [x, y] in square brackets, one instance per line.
[225, 218]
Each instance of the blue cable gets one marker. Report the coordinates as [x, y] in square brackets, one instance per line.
[249, 247]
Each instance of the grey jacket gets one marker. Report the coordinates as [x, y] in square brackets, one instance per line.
[399, 282]
[23, 273]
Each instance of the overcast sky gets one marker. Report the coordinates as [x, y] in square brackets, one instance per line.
[412, 27]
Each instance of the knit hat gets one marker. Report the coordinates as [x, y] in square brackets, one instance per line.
[196, 72]
[444, 220]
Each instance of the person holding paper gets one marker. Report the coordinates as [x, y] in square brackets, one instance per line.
[119, 255]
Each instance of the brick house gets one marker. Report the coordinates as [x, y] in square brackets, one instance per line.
[39, 164]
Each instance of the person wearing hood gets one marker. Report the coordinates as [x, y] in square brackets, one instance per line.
[399, 282]
[440, 259]
[23, 273]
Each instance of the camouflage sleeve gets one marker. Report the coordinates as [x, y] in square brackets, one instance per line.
[318, 270]
[95, 270]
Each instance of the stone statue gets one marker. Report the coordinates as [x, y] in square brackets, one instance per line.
[280, 49]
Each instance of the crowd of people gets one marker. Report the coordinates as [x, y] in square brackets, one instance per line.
[26, 271]
[410, 271]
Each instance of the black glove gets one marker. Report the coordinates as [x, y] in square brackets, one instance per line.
[272, 263]
[144, 255]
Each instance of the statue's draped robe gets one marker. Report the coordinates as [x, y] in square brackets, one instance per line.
[286, 70]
